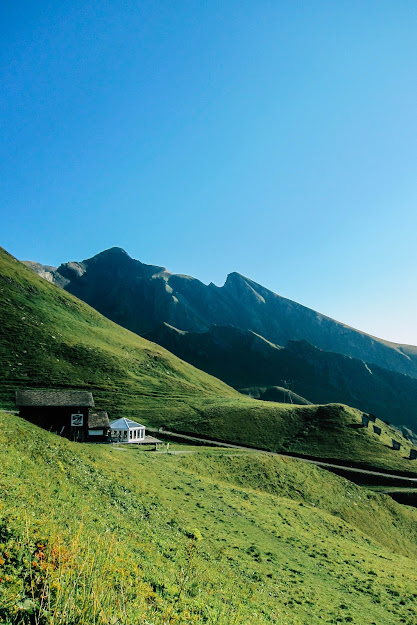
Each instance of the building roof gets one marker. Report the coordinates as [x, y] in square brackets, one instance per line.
[99, 419]
[125, 424]
[150, 440]
[54, 397]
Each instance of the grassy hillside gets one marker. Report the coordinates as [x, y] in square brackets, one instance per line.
[275, 393]
[333, 431]
[95, 534]
[244, 359]
[48, 338]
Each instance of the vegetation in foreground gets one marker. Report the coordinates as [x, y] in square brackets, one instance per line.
[48, 338]
[100, 534]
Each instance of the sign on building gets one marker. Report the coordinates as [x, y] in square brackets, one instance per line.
[77, 420]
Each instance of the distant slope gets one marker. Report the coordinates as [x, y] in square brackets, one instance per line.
[140, 297]
[244, 359]
[49, 338]
[275, 393]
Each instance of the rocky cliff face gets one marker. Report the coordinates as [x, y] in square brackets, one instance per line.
[47, 272]
[140, 297]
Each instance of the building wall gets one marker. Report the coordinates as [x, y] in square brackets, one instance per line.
[123, 436]
[101, 435]
[140, 435]
[57, 419]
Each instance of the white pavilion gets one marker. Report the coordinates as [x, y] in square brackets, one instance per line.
[126, 431]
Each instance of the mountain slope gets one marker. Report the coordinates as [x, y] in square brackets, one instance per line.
[49, 338]
[244, 359]
[140, 297]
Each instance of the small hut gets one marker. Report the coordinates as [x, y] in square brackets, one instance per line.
[98, 426]
[62, 411]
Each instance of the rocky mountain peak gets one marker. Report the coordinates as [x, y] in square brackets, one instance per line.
[140, 297]
[113, 252]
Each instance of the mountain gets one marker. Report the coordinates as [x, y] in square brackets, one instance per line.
[48, 338]
[141, 297]
[244, 359]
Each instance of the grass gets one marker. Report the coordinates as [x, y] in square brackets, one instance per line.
[333, 432]
[90, 534]
[48, 338]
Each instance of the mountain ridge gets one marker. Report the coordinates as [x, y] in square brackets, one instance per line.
[140, 297]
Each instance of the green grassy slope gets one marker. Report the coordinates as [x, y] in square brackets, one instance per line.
[48, 338]
[333, 431]
[98, 534]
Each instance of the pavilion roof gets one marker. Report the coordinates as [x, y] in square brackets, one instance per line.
[125, 424]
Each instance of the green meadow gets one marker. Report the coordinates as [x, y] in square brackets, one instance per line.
[100, 534]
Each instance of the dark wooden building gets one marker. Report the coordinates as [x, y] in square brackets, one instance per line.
[66, 412]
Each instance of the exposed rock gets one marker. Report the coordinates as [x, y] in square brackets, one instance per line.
[48, 272]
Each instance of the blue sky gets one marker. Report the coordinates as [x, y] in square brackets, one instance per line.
[276, 139]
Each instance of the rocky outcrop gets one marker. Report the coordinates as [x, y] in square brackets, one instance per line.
[51, 274]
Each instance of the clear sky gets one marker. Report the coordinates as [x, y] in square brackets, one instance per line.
[273, 138]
